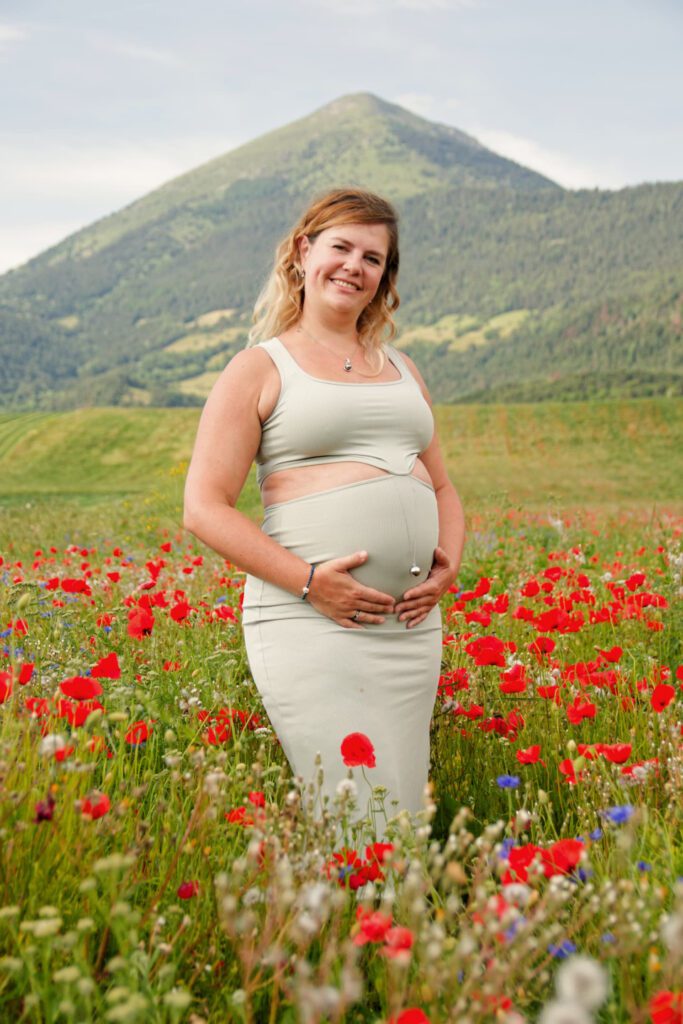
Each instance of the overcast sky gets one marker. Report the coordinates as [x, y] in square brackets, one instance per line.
[100, 103]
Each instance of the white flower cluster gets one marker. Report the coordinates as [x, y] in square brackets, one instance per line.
[582, 986]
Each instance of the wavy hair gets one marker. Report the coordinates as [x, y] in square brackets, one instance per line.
[281, 301]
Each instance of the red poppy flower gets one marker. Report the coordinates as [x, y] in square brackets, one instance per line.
[187, 890]
[138, 733]
[107, 667]
[662, 695]
[45, 810]
[542, 645]
[77, 713]
[76, 587]
[488, 650]
[25, 673]
[413, 1015]
[81, 688]
[529, 756]
[257, 798]
[357, 750]
[616, 753]
[666, 1007]
[180, 611]
[95, 806]
[239, 816]
[5, 686]
[398, 943]
[562, 857]
[613, 655]
[373, 926]
[514, 680]
[567, 769]
[140, 622]
[580, 709]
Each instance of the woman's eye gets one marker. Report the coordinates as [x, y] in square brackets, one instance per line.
[338, 247]
[373, 259]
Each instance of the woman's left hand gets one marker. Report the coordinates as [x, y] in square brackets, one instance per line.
[417, 603]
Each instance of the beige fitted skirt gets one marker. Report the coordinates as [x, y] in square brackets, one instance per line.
[319, 681]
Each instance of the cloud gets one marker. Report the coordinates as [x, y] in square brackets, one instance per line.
[11, 34]
[144, 54]
[564, 169]
[115, 173]
[49, 190]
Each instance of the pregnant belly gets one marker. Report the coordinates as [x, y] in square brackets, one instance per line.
[393, 518]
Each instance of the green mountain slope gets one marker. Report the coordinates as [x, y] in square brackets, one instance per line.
[507, 281]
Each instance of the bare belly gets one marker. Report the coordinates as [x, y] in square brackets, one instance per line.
[290, 484]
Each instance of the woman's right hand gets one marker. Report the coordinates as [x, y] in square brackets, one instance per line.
[335, 593]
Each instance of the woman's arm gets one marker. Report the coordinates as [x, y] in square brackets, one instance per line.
[419, 601]
[228, 437]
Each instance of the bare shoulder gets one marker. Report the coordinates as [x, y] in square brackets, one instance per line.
[249, 384]
[250, 364]
[416, 373]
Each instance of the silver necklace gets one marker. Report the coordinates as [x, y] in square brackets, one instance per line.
[415, 569]
[348, 365]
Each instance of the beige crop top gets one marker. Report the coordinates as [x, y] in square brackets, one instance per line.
[386, 424]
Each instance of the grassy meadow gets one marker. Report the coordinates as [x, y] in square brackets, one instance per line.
[158, 862]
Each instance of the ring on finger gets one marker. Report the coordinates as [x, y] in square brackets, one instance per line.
[356, 615]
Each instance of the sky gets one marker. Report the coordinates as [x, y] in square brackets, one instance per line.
[101, 103]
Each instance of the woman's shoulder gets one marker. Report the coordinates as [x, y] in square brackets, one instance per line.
[253, 363]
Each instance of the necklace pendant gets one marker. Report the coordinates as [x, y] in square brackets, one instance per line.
[347, 365]
[415, 570]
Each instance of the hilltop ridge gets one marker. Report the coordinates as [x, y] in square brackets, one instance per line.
[507, 282]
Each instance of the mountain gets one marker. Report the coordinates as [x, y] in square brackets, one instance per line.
[511, 286]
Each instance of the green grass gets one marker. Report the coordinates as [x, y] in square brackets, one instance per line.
[541, 456]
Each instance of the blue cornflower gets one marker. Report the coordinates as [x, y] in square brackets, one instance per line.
[563, 950]
[505, 848]
[6, 632]
[644, 866]
[221, 600]
[619, 815]
[596, 834]
[514, 928]
[608, 937]
[508, 781]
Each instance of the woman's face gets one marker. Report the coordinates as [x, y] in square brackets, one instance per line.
[344, 266]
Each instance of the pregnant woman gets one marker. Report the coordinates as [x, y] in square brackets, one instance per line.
[363, 531]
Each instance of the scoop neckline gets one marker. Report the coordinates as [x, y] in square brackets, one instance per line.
[342, 383]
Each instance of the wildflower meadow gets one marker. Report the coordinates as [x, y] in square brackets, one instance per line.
[160, 863]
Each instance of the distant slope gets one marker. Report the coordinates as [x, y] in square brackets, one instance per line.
[510, 285]
[573, 454]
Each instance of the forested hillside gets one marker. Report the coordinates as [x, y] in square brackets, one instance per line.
[512, 288]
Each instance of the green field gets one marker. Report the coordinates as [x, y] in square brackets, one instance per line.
[542, 456]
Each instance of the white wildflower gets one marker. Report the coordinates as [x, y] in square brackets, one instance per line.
[347, 789]
[582, 980]
[51, 743]
[560, 1012]
[672, 934]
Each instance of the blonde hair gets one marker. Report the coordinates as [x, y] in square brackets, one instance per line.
[281, 301]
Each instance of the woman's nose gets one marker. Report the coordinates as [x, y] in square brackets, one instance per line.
[352, 262]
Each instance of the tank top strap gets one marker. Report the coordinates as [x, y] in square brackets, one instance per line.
[398, 360]
[278, 353]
